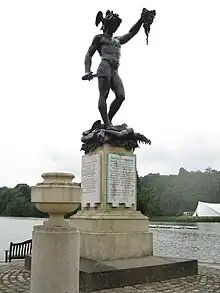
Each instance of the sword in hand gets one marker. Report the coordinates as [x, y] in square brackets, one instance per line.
[90, 76]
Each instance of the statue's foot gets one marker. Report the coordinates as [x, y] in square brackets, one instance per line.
[112, 128]
[108, 125]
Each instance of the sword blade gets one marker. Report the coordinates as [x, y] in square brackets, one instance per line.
[87, 77]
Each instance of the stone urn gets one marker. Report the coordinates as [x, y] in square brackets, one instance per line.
[57, 195]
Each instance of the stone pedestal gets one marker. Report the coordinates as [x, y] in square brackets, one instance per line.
[55, 260]
[113, 235]
[109, 224]
[55, 244]
[116, 247]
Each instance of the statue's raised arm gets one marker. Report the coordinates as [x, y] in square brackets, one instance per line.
[132, 32]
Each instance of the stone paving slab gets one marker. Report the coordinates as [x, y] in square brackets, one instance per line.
[14, 279]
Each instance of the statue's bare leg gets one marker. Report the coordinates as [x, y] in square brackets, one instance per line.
[105, 71]
[118, 88]
[104, 88]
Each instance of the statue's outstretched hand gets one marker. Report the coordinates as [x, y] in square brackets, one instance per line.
[143, 14]
[88, 76]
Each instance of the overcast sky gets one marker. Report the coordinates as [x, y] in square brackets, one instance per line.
[172, 85]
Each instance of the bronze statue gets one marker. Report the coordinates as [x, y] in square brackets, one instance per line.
[109, 48]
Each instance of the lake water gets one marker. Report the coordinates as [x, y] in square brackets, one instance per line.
[15, 230]
[202, 244]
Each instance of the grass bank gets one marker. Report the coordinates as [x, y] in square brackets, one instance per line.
[185, 219]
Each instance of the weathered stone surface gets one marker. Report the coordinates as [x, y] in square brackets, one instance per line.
[95, 275]
[91, 180]
[55, 260]
[107, 228]
[14, 278]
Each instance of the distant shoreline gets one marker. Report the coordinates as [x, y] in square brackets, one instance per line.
[179, 219]
[185, 219]
[23, 218]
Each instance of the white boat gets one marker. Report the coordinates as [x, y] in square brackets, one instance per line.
[191, 227]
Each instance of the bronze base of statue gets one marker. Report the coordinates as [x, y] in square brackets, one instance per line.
[118, 135]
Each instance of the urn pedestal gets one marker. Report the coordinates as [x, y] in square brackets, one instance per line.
[55, 244]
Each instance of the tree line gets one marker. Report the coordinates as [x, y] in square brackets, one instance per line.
[157, 195]
[172, 195]
[16, 202]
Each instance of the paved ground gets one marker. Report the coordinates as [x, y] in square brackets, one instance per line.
[14, 279]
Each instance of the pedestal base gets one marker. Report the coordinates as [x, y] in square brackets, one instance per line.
[55, 260]
[96, 275]
[128, 272]
[108, 235]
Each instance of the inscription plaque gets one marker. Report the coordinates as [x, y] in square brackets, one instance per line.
[91, 175]
[121, 180]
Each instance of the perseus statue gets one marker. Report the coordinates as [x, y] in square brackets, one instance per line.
[109, 48]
